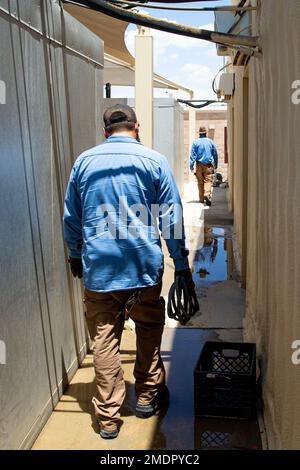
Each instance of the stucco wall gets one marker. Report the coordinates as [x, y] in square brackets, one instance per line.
[273, 268]
[50, 114]
[239, 167]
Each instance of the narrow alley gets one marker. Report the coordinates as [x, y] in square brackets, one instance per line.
[222, 305]
[114, 116]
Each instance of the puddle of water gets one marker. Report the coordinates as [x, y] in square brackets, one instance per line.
[213, 261]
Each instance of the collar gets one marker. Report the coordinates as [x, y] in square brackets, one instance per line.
[121, 138]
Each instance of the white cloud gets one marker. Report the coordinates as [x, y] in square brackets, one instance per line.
[197, 77]
[163, 41]
[190, 62]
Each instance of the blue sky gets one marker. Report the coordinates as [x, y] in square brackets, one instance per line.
[191, 62]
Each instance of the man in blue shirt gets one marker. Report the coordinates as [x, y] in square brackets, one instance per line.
[116, 194]
[205, 155]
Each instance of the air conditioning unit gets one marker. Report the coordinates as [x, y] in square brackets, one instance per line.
[226, 85]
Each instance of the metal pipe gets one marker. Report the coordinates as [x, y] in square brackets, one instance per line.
[168, 26]
[159, 7]
[180, 1]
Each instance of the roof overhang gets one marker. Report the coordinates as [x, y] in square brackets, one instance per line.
[120, 73]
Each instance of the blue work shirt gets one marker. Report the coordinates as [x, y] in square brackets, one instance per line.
[203, 151]
[108, 216]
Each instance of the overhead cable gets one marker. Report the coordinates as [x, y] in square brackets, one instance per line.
[160, 7]
[232, 40]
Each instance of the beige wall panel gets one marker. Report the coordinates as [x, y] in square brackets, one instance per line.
[239, 168]
[273, 294]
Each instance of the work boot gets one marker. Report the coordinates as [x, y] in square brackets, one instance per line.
[109, 434]
[207, 201]
[160, 402]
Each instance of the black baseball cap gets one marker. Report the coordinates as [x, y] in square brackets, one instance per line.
[119, 114]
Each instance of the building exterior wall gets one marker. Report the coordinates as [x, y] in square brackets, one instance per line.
[51, 113]
[230, 166]
[239, 166]
[215, 121]
[272, 175]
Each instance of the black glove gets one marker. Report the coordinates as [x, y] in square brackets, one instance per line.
[76, 267]
[187, 275]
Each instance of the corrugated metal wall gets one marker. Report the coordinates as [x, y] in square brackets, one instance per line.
[52, 113]
[273, 268]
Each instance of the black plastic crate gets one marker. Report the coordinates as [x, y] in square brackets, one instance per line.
[225, 381]
[226, 434]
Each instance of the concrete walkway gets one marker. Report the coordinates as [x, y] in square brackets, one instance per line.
[71, 425]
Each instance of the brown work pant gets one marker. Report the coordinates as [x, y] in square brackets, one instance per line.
[105, 325]
[204, 175]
